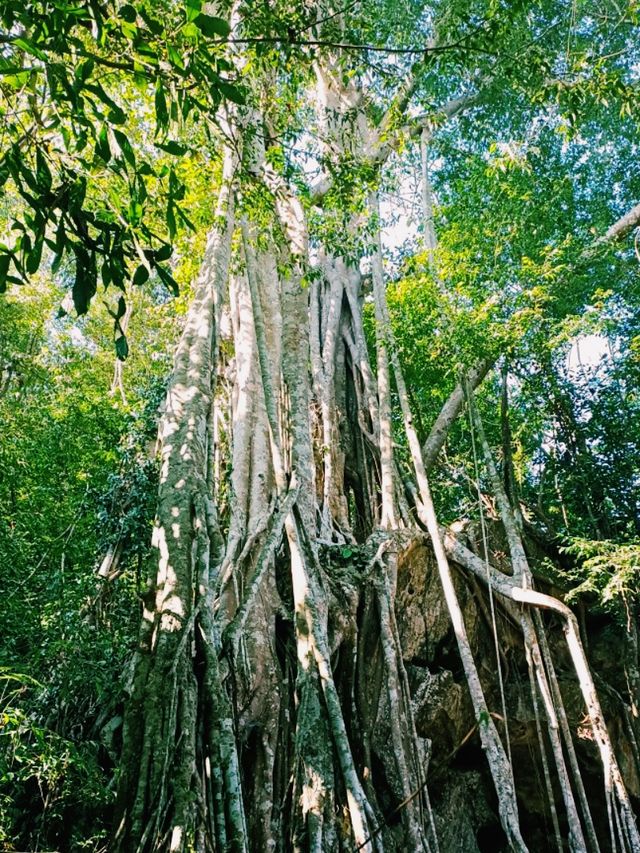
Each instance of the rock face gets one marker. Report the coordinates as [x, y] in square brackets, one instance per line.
[460, 786]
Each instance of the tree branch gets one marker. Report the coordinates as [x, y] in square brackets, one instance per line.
[621, 227]
[450, 411]
[384, 141]
[453, 406]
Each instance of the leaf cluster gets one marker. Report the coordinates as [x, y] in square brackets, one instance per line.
[92, 96]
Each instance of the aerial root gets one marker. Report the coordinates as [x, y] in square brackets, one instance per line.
[399, 712]
[507, 588]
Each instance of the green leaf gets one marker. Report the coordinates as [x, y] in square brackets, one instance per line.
[162, 115]
[172, 147]
[84, 70]
[122, 347]
[35, 256]
[140, 189]
[102, 144]
[122, 308]
[128, 13]
[117, 264]
[125, 147]
[163, 253]
[176, 188]
[17, 80]
[168, 280]
[117, 116]
[171, 220]
[28, 176]
[135, 212]
[84, 286]
[231, 92]
[106, 273]
[24, 243]
[43, 173]
[212, 26]
[61, 237]
[175, 58]
[57, 260]
[154, 25]
[5, 260]
[28, 47]
[116, 113]
[190, 30]
[192, 8]
[185, 218]
[140, 276]
[4, 172]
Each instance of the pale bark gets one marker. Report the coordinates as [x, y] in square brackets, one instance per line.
[577, 843]
[621, 227]
[566, 733]
[494, 750]
[388, 512]
[614, 784]
[391, 130]
[428, 225]
[449, 413]
[159, 795]
[545, 764]
[333, 504]
[522, 576]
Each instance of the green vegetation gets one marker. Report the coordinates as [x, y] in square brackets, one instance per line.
[115, 120]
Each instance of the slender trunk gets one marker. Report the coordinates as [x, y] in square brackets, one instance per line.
[388, 512]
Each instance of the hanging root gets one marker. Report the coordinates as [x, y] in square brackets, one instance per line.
[543, 757]
[630, 838]
[520, 589]
[534, 661]
[410, 779]
[313, 657]
[499, 764]
[272, 539]
[566, 733]
[505, 586]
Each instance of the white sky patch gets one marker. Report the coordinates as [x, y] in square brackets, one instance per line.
[77, 338]
[74, 335]
[398, 225]
[587, 351]
[400, 215]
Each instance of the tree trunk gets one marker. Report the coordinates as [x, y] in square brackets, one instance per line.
[268, 705]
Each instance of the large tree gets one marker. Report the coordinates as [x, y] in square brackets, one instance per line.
[267, 705]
